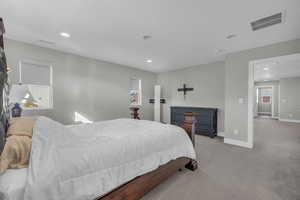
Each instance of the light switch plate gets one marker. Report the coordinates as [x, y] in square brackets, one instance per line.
[241, 100]
[236, 132]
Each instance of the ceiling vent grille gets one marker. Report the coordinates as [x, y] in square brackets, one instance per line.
[266, 22]
[46, 42]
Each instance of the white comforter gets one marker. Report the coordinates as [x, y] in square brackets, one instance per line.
[87, 161]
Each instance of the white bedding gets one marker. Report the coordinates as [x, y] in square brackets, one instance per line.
[12, 184]
[87, 161]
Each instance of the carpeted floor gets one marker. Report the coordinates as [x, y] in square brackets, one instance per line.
[270, 171]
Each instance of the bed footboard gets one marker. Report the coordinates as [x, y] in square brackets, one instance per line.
[141, 185]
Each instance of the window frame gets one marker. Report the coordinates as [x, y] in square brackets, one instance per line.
[42, 64]
[140, 96]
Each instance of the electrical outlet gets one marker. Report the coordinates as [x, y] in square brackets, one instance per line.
[291, 115]
[236, 131]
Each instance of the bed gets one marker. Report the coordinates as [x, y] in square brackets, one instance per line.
[116, 159]
[110, 160]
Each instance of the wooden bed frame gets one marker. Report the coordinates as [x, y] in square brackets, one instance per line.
[141, 185]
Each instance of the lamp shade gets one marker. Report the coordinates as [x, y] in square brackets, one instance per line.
[20, 94]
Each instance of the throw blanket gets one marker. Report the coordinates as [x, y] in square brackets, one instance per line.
[86, 161]
[16, 153]
[17, 149]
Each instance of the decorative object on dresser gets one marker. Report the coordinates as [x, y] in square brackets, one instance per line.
[16, 111]
[206, 119]
[134, 112]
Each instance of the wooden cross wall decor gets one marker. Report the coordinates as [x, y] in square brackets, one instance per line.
[184, 89]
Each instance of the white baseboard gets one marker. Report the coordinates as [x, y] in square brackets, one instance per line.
[238, 143]
[289, 120]
[221, 134]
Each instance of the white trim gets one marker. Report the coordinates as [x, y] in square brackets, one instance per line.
[251, 89]
[238, 143]
[20, 72]
[279, 102]
[251, 94]
[221, 134]
[289, 120]
[157, 92]
[140, 96]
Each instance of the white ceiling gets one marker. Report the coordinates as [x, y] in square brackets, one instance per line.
[184, 32]
[277, 68]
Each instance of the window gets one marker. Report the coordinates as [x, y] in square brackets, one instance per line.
[35, 85]
[135, 92]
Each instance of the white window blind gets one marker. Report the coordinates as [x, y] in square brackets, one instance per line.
[36, 74]
[36, 78]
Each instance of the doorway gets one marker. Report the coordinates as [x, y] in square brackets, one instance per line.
[272, 73]
[264, 102]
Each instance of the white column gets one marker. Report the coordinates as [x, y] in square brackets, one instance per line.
[157, 92]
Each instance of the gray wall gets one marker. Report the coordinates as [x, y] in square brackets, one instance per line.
[236, 84]
[290, 98]
[275, 85]
[100, 89]
[97, 89]
[208, 83]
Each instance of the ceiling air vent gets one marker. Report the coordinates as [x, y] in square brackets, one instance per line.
[46, 42]
[266, 22]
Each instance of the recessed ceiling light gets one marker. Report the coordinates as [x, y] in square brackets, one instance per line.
[149, 61]
[266, 68]
[63, 34]
[230, 36]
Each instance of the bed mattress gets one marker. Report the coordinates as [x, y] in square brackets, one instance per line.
[12, 184]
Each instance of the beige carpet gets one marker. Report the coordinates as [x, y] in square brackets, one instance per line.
[271, 171]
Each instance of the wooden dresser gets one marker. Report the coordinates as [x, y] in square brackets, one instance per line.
[206, 119]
